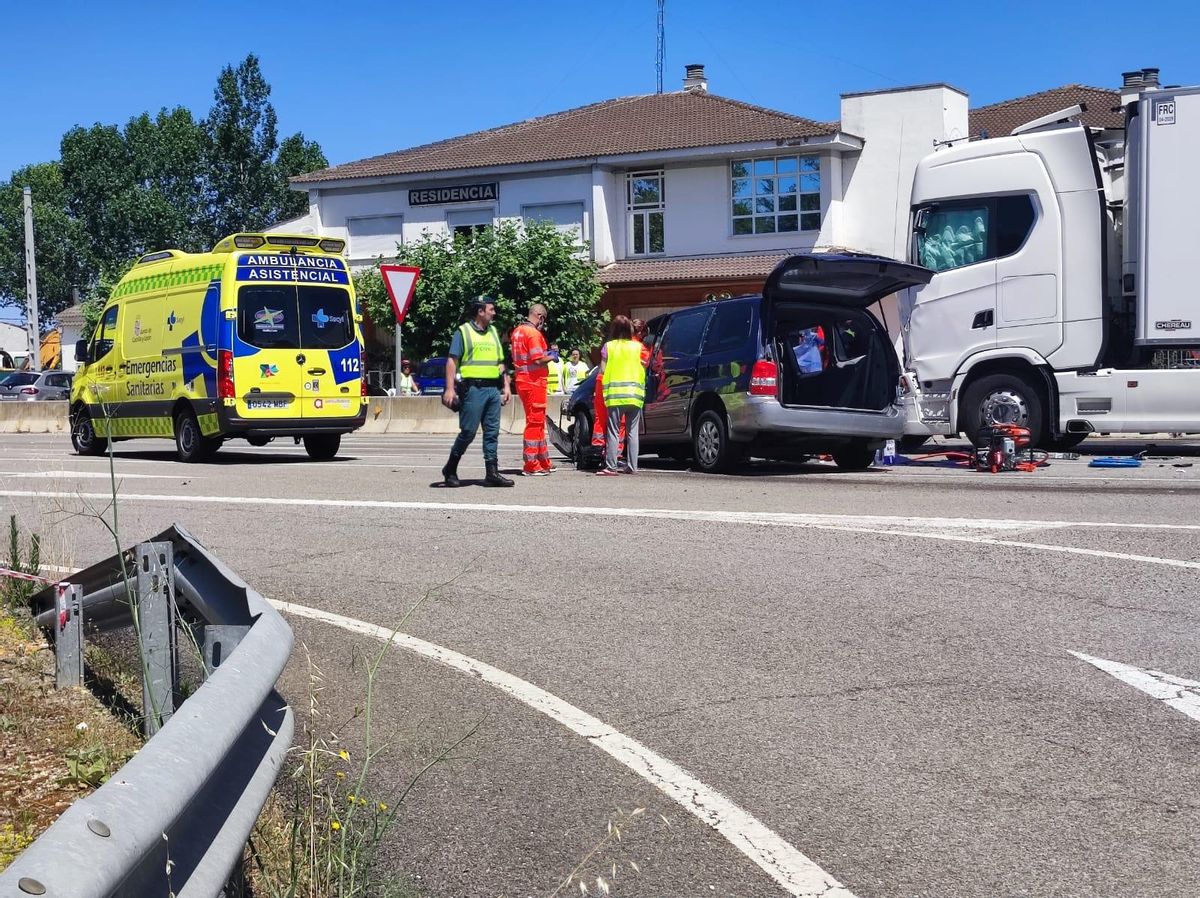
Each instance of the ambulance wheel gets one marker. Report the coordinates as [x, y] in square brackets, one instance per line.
[191, 445]
[83, 435]
[322, 446]
[258, 441]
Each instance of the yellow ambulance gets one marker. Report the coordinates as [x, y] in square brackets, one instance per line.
[257, 339]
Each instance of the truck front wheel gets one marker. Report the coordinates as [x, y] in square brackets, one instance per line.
[1003, 399]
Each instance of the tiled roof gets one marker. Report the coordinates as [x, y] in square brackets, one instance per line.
[999, 119]
[640, 124]
[650, 271]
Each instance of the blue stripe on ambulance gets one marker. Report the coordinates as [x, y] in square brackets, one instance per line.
[345, 362]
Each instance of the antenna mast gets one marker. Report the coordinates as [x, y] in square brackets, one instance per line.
[662, 42]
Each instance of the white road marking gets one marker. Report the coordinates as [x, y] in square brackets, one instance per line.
[779, 859]
[1174, 692]
[941, 527]
[120, 475]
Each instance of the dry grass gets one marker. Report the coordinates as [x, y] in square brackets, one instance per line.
[55, 745]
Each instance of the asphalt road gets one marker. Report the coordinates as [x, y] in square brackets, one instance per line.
[812, 675]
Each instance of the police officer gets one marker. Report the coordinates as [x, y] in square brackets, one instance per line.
[477, 359]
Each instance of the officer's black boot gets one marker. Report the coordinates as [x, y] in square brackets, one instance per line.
[450, 471]
[494, 477]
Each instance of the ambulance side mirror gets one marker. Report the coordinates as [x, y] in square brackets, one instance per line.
[81, 351]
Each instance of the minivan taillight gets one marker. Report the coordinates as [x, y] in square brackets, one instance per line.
[29, 391]
[763, 378]
[225, 374]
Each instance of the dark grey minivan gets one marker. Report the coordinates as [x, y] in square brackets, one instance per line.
[803, 369]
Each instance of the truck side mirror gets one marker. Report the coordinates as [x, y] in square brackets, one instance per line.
[81, 351]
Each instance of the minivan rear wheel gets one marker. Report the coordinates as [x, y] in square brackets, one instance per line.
[322, 446]
[856, 456]
[712, 450]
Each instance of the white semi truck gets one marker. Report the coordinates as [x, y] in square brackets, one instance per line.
[1064, 298]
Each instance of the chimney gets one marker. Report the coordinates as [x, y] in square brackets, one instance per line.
[694, 80]
[1131, 86]
[1150, 79]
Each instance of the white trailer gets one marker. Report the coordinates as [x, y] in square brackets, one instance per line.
[1062, 298]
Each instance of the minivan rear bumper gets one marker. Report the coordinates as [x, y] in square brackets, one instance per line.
[758, 416]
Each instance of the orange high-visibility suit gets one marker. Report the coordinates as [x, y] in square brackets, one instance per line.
[599, 422]
[528, 347]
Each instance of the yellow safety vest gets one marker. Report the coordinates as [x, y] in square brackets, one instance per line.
[553, 376]
[624, 374]
[483, 354]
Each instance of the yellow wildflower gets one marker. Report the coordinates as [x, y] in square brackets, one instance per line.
[335, 825]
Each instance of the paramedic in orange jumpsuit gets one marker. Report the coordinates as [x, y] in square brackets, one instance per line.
[639, 334]
[530, 360]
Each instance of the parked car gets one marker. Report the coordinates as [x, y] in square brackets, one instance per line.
[800, 370]
[33, 385]
[432, 376]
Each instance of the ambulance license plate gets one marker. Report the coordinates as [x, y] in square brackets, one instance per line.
[268, 403]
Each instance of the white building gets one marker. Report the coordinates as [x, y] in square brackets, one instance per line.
[681, 195]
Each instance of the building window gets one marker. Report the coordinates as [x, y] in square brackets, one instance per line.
[645, 201]
[468, 222]
[567, 218]
[778, 194]
[374, 236]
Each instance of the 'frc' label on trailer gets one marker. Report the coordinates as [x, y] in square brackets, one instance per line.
[1164, 112]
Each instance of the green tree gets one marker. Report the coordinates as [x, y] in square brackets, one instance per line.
[515, 264]
[248, 167]
[61, 247]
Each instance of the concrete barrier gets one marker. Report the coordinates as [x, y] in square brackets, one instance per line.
[426, 414]
[385, 414]
[33, 417]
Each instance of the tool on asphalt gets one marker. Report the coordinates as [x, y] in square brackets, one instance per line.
[1115, 462]
[1005, 447]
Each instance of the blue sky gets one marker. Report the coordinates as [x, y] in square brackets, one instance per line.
[375, 77]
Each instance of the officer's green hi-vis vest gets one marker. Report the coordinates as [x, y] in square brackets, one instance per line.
[482, 356]
[624, 375]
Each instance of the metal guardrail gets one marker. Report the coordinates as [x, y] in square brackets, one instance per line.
[176, 817]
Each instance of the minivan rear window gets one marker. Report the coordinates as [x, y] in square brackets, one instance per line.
[730, 328]
[684, 332]
[295, 317]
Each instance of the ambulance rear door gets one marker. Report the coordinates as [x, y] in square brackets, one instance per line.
[333, 355]
[268, 361]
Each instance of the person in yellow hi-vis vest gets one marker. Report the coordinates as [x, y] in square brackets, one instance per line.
[476, 358]
[623, 372]
[554, 370]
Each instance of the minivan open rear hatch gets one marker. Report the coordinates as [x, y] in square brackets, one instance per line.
[842, 280]
[830, 350]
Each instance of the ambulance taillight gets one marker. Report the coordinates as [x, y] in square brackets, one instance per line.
[362, 375]
[225, 374]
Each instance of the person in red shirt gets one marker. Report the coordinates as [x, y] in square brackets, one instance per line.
[530, 360]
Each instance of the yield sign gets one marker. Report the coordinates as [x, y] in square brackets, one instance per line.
[400, 281]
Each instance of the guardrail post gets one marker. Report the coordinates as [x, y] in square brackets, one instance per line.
[156, 633]
[219, 642]
[68, 638]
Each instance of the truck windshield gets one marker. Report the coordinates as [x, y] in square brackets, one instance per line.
[295, 317]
